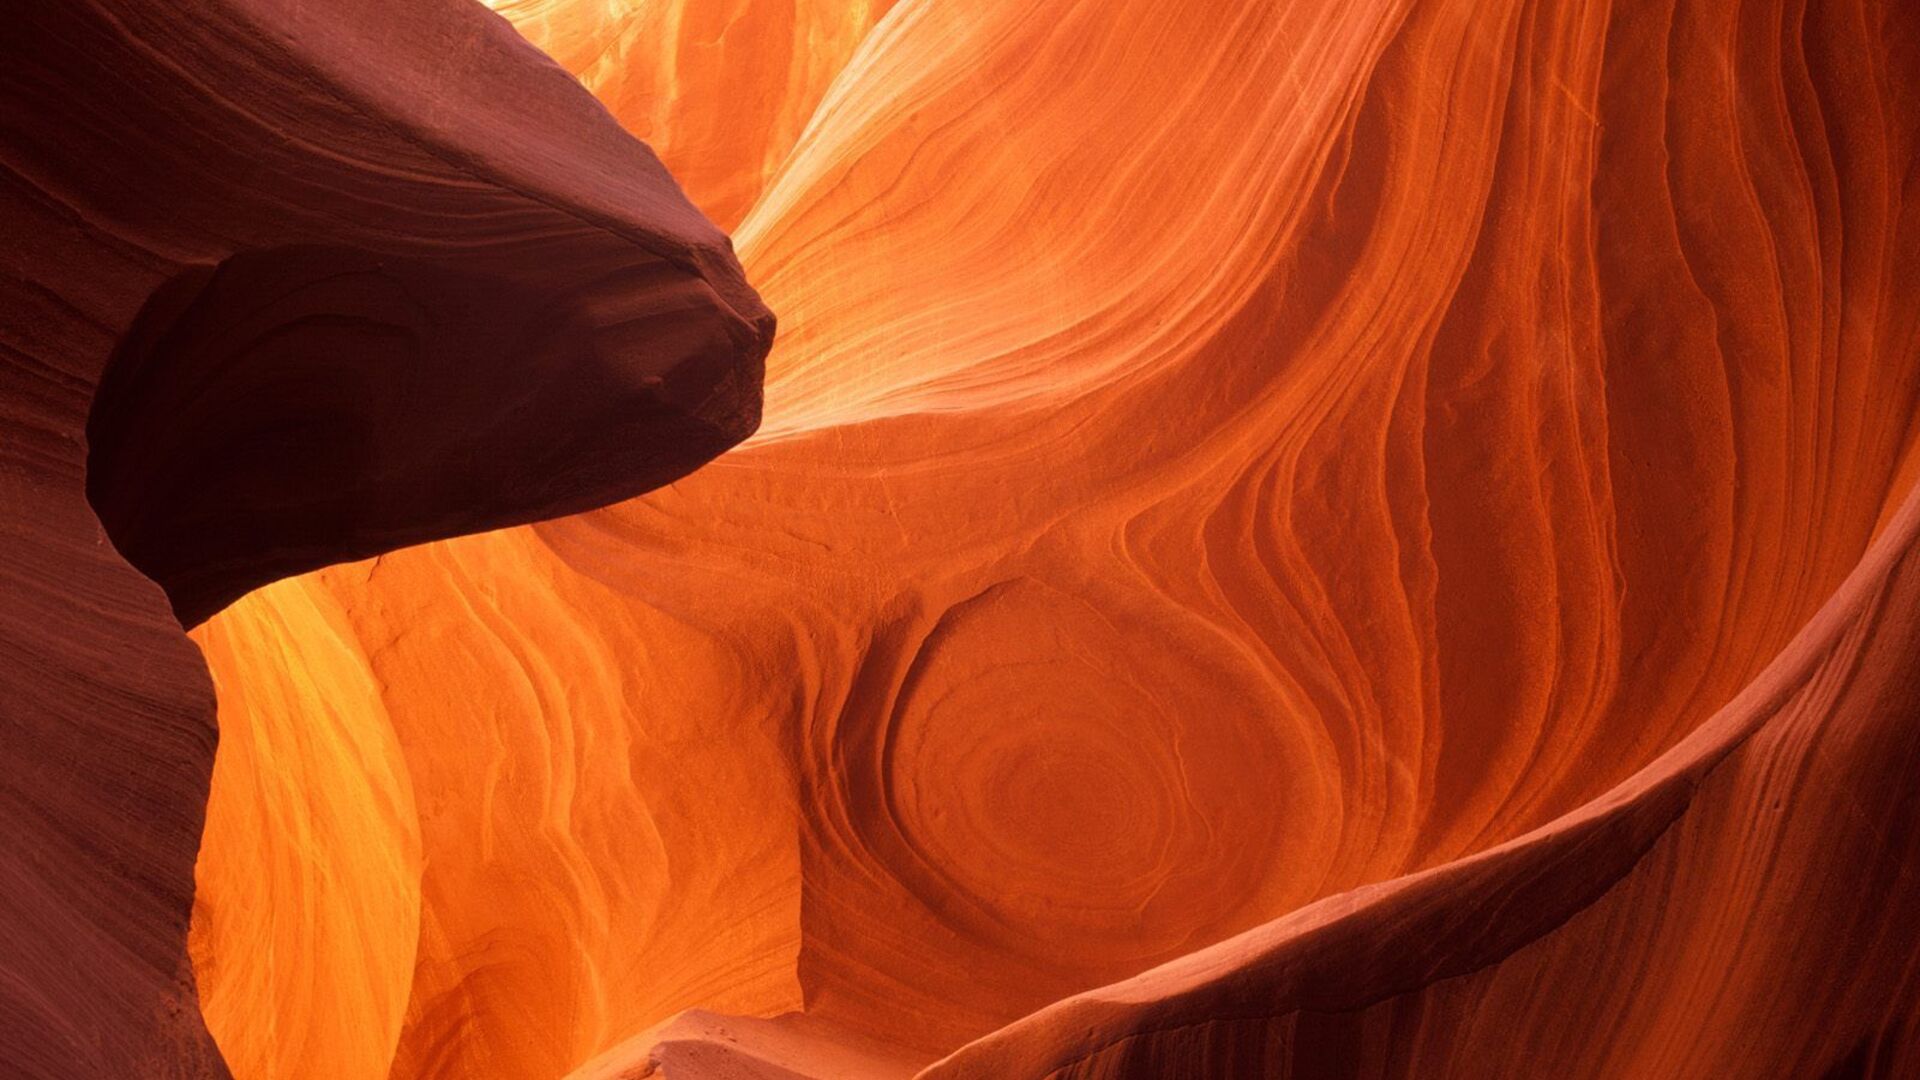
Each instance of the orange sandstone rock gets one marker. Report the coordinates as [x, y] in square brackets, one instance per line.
[1315, 539]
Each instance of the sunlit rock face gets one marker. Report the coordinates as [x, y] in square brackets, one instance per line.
[1313, 538]
[720, 89]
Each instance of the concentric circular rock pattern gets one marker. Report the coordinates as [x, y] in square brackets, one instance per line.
[1275, 510]
[1285, 539]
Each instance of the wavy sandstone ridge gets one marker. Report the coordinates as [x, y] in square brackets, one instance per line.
[286, 286]
[720, 89]
[1380, 517]
[1695, 914]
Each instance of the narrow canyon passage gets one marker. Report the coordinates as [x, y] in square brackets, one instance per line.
[1313, 539]
[1215, 457]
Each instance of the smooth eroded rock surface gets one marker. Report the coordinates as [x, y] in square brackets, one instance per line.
[1313, 538]
[285, 284]
[1359, 539]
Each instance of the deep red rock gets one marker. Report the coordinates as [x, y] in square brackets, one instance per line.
[343, 277]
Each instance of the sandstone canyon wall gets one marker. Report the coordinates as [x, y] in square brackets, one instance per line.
[1312, 539]
[282, 287]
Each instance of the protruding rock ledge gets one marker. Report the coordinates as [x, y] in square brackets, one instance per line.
[369, 273]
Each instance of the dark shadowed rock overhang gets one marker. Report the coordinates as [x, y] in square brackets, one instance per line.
[328, 280]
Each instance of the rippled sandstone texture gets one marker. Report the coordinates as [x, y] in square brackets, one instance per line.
[1313, 539]
[1316, 539]
[282, 286]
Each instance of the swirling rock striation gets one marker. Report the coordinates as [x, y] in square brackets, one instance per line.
[1693, 915]
[720, 89]
[284, 285]
[1311, 536]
